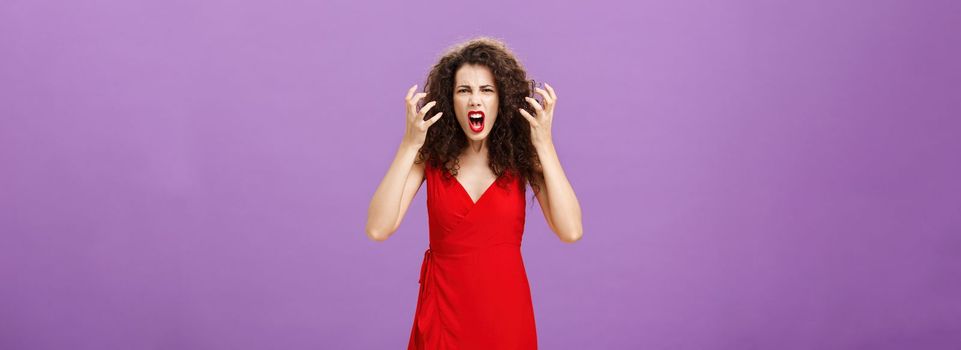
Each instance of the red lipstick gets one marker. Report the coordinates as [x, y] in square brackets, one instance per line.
[476, 120]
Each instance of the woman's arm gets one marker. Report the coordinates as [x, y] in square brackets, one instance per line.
[404, 178]
[557, 199]
[395, 193]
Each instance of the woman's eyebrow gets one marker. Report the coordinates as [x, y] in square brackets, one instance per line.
[468, 86]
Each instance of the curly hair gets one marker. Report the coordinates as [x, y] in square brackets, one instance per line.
[509, 143]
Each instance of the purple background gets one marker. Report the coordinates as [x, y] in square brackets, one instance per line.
[753, 174]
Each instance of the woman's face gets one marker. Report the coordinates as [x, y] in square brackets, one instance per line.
[475, 100]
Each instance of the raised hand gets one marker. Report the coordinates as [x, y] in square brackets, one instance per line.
[541, 123]
[416, 125]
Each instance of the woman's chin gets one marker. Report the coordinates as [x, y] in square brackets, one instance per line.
[476, 136]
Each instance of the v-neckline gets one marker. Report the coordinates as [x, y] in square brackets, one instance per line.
[464, 189]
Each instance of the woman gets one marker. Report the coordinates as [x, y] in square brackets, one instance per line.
[474, 292]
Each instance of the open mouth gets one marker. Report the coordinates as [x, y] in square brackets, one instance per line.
[476, 121]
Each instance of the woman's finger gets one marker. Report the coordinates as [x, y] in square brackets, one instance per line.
[434, 119]
[427, 107]
[417, 97]
[553, 94]
[410, 92]
[528, 116]
[547, 96]
[534, 103]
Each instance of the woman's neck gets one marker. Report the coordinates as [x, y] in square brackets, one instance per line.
[475, 153]
[476, 148]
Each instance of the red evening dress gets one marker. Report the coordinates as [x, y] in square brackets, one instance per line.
[474, 292]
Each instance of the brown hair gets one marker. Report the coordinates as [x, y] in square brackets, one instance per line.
[509, 141]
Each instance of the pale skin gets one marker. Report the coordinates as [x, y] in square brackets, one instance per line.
[474, 90]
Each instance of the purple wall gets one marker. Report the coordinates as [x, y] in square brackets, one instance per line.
[753, 174]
